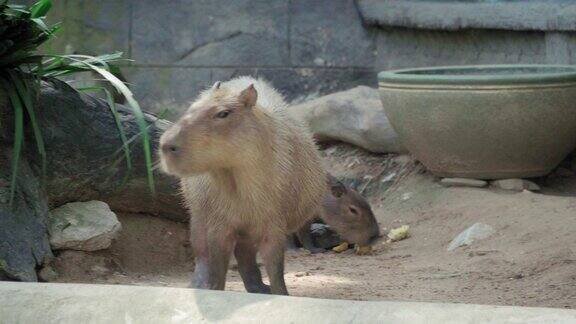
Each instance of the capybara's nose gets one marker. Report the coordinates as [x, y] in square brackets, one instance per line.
[170, 149]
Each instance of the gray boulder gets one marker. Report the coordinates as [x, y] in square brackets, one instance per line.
[354, 116]
[85, 226]
[478, 231]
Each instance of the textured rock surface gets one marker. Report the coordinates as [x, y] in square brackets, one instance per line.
[173, 89]
[478, 231]
[306, 48]
[354, 116]
[329, 33]
[462, 182]
[23, 234]
[515, 185]
[209, 33]
[84, 226]
[93, 152]
[82, 142]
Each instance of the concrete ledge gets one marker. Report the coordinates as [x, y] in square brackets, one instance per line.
[545, 15]
[78, 303]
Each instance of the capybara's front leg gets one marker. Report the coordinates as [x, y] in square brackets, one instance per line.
[212, 253]
[199, 242]
[272, 251]
[245, 253]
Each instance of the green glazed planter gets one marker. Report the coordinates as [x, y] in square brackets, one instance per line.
[486, 122]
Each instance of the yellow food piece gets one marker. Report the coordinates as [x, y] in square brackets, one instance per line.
[341, 248]
[363, 250]
[399, 233]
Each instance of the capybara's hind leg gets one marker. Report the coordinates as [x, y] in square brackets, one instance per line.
[245, 253]
[272, 252]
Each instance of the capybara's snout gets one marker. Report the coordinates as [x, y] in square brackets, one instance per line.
[170, 149]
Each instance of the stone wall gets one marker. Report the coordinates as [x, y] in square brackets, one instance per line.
[305, 48]
[418, 33]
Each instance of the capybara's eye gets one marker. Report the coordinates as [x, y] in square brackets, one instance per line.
[223, 114]
[354, 210]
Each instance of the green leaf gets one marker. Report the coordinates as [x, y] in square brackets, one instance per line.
[24, 90]
[125, 146]
[18, 135]
[140, 120]
[40, 8]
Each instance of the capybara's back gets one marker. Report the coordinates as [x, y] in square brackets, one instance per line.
[250, 176]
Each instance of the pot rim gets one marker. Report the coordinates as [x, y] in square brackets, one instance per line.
[441, 75]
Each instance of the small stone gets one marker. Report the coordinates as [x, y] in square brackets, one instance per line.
[388, 177]
[84, 226]
[478, 231]
[515, 185]
[462, 182]
[319, 61]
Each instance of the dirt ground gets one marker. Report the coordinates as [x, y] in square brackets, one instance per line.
[529, 261]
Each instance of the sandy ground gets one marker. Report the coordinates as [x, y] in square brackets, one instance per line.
[529, 261]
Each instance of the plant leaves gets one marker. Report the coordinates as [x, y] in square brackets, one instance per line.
[40, 8]
[18, 135]
[24, 90]
[140, 120]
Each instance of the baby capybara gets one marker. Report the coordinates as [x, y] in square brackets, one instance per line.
[250, 176]
[347, 213]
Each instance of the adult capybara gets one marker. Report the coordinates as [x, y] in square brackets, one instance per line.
[250, 176]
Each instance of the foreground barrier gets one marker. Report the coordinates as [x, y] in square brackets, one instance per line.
[82, 303]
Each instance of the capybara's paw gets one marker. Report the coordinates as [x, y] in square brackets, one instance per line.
[259, 289]
[316, 250]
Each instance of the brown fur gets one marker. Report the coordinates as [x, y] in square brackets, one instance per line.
[249, 179]
[349, 214]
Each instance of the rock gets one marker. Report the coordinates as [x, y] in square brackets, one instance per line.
[515, 185]
[353, 116]
[462, 182]
[86, 226]
[24, 245]
[47, 273]
[323, 236]
[473, 233]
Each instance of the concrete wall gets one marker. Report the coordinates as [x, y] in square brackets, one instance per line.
[406, 48]
[306, 48]
[421, 33]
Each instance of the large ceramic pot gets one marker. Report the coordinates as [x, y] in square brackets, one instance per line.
[485, 122]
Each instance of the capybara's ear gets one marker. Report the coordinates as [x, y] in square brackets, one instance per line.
[248, 96]
[336, 187]
[216, 85]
